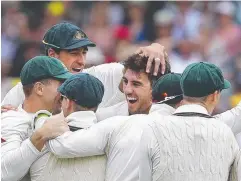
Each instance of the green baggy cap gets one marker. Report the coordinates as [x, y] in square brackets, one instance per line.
[66, 36]
[86, 90]
[43, 67]
[167, 88]
[201, 79]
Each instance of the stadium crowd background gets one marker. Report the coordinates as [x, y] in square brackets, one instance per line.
[191, 32]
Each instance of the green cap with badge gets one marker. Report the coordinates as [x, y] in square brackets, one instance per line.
[43, 67]
[167, 88]
[66, 36]
[84, 89]
[201, 79]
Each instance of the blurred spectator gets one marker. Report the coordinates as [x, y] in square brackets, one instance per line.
[164, 20]
[26, 51]
[184, 55]
[99, 29]
[187, 21]
[136, 11]
[226, 37]
[124, 46]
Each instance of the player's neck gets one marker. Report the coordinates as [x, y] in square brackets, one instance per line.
[209, 108]
[32, 106]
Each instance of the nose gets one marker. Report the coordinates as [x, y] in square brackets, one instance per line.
[127, 88]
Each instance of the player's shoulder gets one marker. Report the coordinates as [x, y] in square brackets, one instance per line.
[14, 118]
[14, 114]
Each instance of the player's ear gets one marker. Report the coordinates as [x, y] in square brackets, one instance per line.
[52, 53]
[39, 88]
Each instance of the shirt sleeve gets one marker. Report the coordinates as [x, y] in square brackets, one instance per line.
[15, 96]
[16, 159]
[238, 138]
[232, 118]
[84, 142]
[110, 75]
[17, 152]
[149, 154]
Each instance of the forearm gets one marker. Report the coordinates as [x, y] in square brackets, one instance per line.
[75, 144]
[16, 163]
[38, 139]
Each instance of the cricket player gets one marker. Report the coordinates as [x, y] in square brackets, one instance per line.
[69, 44]
[81, 94]
[40, 77]
[137, 87]
[170, 95]
[191, 144]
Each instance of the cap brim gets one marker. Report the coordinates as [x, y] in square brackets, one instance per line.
[167, 100]
[227, 84]
[81, 43]
[64, 76]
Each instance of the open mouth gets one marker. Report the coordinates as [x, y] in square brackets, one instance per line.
[131, 100]
[77, 70]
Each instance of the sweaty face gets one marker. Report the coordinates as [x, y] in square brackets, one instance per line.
[138, 92]
[74, 59]
[51, 97]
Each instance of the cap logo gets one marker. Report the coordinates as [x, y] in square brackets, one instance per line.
[79, 35]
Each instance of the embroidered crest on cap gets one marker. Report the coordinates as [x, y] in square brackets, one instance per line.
[79, 35]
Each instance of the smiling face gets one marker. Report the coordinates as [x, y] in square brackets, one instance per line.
[138, 91]
[73, 59]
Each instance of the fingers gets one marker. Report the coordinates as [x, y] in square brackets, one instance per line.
[3, 110]
[149, 63]
[157, 66]
[8, 107]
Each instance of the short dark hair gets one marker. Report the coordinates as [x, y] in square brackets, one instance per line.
[138, 63]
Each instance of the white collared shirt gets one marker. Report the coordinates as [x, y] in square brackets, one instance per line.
[88, 168]
[181, 148]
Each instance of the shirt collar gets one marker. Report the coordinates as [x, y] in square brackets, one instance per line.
[156, 107]
[82, 119]
[192, 108]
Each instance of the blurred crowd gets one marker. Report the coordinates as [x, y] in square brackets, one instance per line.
[190, 31]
